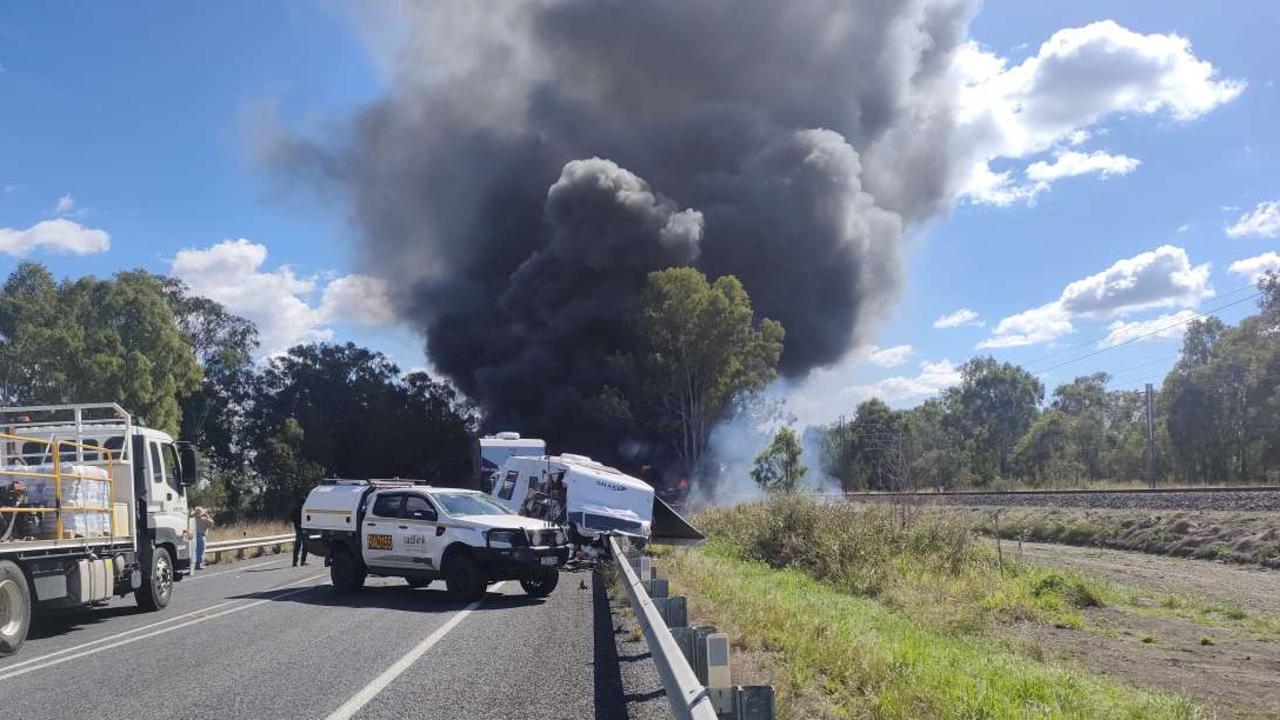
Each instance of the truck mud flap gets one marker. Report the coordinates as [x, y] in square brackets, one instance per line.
[670, 528]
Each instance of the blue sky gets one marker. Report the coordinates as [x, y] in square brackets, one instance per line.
[141, 114]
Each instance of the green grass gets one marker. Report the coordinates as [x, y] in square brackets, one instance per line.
[933, 567]
[865, 660]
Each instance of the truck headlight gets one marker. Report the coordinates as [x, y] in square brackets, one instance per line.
[505, 538]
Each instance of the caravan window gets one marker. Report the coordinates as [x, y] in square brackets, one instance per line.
[508, 485]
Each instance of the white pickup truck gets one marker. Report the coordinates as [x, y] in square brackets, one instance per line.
[422, 533]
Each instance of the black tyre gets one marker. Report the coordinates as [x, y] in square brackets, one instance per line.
[418, 582]
[464, 578]
[541, 582]
[157, 581]
[15, 608]
[346, 572]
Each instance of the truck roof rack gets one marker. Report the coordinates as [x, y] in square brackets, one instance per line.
[380, 482]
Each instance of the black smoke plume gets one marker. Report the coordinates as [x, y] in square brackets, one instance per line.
[533, 161]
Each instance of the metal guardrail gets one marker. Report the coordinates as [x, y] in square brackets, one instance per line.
[693, 663]
[689, 699]
[216, 549]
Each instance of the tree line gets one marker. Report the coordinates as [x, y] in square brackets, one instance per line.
[271, 429]
[181, 363]
[1216, 420]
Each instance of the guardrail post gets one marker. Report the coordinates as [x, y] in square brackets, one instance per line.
[718, 675]
[657, 588]
[674, 611]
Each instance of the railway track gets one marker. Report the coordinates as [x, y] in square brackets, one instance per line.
[1253, 498]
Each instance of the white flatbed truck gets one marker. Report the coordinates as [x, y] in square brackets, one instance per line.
[405, 529]
[92, 506]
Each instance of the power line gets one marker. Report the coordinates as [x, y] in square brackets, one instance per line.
[1100, 338]
[1145, 335]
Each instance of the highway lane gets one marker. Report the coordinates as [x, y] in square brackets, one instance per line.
[265, 640]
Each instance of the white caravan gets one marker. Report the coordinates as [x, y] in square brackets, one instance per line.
[591, 498]
[495, 449]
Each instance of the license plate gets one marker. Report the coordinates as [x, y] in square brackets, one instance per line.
[549, 560]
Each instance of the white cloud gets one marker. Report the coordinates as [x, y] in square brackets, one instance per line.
[1163, 277]
[66, 204]
[1255, 267]
[957, 318]
[1072, 163]
[59, 235]
[1055, 98]
[1183, 228]
[889, 357]
[357, 299]
[1158, 278]
[1029, 327]
[232, 272]
[1165, 327]
[1263, 221]
[932, 378]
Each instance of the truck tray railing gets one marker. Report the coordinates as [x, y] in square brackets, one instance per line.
[14, 503]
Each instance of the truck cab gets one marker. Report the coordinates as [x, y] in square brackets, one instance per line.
[91, 505]
[423, 533]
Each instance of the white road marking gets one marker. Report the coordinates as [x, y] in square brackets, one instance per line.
[370, 691]
[109, 638]
[141, 628]
[7, 673]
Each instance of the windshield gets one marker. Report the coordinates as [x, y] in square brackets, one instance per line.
[462, 504]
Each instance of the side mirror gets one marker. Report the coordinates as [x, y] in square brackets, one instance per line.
[190, 463]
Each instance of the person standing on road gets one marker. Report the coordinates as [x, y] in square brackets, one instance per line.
[204, 523]
[299, 535]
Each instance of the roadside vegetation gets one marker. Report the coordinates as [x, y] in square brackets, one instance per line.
[837, 654]
[249, 529]
[903, 612]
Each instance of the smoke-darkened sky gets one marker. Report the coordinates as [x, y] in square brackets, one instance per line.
[532, 162]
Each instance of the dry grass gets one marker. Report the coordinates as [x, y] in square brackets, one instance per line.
[251, 529]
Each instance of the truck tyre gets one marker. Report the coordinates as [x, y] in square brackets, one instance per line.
[15, 608]
[541, 582]
[464, 577]
[157, 581]
[346, 572]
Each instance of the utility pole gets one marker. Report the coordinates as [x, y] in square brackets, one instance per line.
[1151, 441]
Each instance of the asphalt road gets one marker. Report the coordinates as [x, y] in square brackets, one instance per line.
[260, 639]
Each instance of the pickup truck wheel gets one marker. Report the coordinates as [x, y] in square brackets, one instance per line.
[541, 582]
[346, 573]
[15, 608]
[464, 578]
[157, 582]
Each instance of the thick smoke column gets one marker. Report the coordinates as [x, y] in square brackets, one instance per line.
[533, 161]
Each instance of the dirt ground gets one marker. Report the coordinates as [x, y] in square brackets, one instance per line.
[1233, 672]
[1255, 589]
